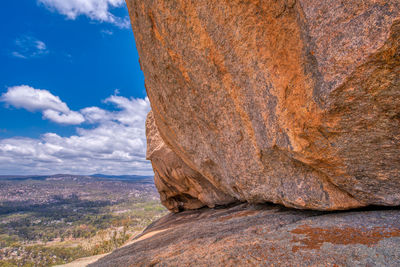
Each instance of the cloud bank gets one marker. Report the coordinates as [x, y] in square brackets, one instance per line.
[113, 143]
[98, 10]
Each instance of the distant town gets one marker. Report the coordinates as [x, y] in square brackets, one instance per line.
[55, 219]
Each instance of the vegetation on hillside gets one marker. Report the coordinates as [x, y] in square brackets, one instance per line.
[85, 217]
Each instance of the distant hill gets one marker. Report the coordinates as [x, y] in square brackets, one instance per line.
[23, 177]
[127, 178]
[136, 178]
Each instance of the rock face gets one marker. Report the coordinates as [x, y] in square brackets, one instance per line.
[265, 235]
[283, 101]
[180, 187]
[295, 102]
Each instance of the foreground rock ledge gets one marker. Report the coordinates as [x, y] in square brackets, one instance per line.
[265, 235]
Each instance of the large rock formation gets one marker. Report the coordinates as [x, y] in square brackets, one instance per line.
[283, 101]
[180, 187]
[265, 235]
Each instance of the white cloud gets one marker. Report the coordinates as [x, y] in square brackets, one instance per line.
[40, 45]
[115, 145]
[98, 10]
[95, 114]
[106, 32]
[17, 54]
[133, 110]
[71, 117]
[32, 99]
[29, 47]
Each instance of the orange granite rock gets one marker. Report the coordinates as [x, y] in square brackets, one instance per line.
[265, 235]
[283, 101]
[179, 186]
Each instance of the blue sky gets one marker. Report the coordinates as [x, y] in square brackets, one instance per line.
[72, 96]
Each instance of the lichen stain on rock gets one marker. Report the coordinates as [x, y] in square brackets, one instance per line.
[314, 237]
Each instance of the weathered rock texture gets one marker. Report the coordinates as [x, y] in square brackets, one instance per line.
[180, 187]
[291, 102]
[265, 235]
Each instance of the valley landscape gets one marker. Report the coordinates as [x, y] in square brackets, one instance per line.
[50, 220]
